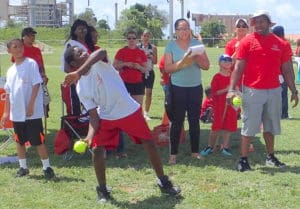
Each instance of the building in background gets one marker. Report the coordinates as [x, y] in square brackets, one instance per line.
[36, 13]
[227, 20]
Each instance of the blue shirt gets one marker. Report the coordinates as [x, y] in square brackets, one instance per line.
[186, 77]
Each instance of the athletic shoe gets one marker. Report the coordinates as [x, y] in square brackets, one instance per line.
[243, 165]
[226, 152]
[22, 172]
[167, 187]
[49, 173]
[208, 150]
[103, 193]
[273, 161]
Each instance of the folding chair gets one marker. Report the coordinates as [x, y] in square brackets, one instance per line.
[8, 127]
[74, 123]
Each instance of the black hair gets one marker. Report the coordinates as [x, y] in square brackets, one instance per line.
[179, 20]
[9, 43]
[69, 54]
[88, 37]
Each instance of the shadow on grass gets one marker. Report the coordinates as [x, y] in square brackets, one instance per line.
[163, 202]
[272, 170]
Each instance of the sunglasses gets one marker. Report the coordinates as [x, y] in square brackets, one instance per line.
[131, 38]
[242, 26]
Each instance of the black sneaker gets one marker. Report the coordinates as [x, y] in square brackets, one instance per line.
[243, 165]
[22, 172]
[167, 187]
[49, 173]
[103, 193]
[273, 161]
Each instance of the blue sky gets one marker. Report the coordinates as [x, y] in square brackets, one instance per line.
[283, 12]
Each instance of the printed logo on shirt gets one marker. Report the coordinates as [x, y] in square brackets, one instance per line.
[99, 80]
[275, 47]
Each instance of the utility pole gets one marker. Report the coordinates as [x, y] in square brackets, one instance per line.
[170, 19]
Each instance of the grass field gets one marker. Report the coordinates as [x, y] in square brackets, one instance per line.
[209, 183]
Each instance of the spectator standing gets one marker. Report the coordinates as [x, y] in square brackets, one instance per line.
[261, 57]
[279, 31]
[24, 107]
[149, 76]
[131, 62]
[241, 30]
[185, 86]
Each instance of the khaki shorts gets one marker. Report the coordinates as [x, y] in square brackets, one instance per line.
[261, 107]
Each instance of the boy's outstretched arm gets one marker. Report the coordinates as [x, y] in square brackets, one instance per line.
[73, 77]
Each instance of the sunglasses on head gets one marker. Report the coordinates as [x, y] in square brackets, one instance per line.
[242, 26]
[227, 59]
[131, 38]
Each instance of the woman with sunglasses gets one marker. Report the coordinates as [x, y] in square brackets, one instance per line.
[185, 87]
[131, 62]
[241, 30]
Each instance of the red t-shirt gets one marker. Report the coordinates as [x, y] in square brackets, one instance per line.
[231, 46]
[229, 120]
[136, 55]
[165, 75]
[264, 56]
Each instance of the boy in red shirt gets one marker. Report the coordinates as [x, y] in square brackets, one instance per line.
[225, 116]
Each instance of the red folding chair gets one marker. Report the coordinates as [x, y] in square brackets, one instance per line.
[74, 123]
[8, 126]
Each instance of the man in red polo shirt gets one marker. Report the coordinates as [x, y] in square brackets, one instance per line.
[261, 58]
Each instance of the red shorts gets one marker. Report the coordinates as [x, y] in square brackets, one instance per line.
[109, 130]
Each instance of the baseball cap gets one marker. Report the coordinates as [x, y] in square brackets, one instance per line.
[241, 19]
[261, 13]
[225, 57]
[27, 31]
[278, 31]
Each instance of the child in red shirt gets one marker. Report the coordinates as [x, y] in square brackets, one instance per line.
[206, 113]
[225, 116]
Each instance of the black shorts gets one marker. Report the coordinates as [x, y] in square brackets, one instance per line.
[149, 81]
[30, 130]
[135, 88]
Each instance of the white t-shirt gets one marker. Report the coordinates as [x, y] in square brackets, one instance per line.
[103, 87]
[19, 82]
[71, 43]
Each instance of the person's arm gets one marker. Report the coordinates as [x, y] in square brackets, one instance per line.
[30, 107]
[289, 77]
[93, 125]
[96, 56]
[234, 79]
[203, 61]
[171, 67]
[5, 115]
[154, 55]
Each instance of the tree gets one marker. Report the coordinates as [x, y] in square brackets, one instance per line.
[103, 24]
[212, 32]
[88, 16]
[141, 17]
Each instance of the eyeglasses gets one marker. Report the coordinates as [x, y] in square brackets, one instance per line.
[242, 26]
[131, 38]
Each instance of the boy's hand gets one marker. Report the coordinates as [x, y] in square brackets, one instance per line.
[71, 78]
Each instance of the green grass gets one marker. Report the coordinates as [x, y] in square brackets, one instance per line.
[209, 183]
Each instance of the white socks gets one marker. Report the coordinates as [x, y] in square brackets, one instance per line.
[46, 163]
[23, 163]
